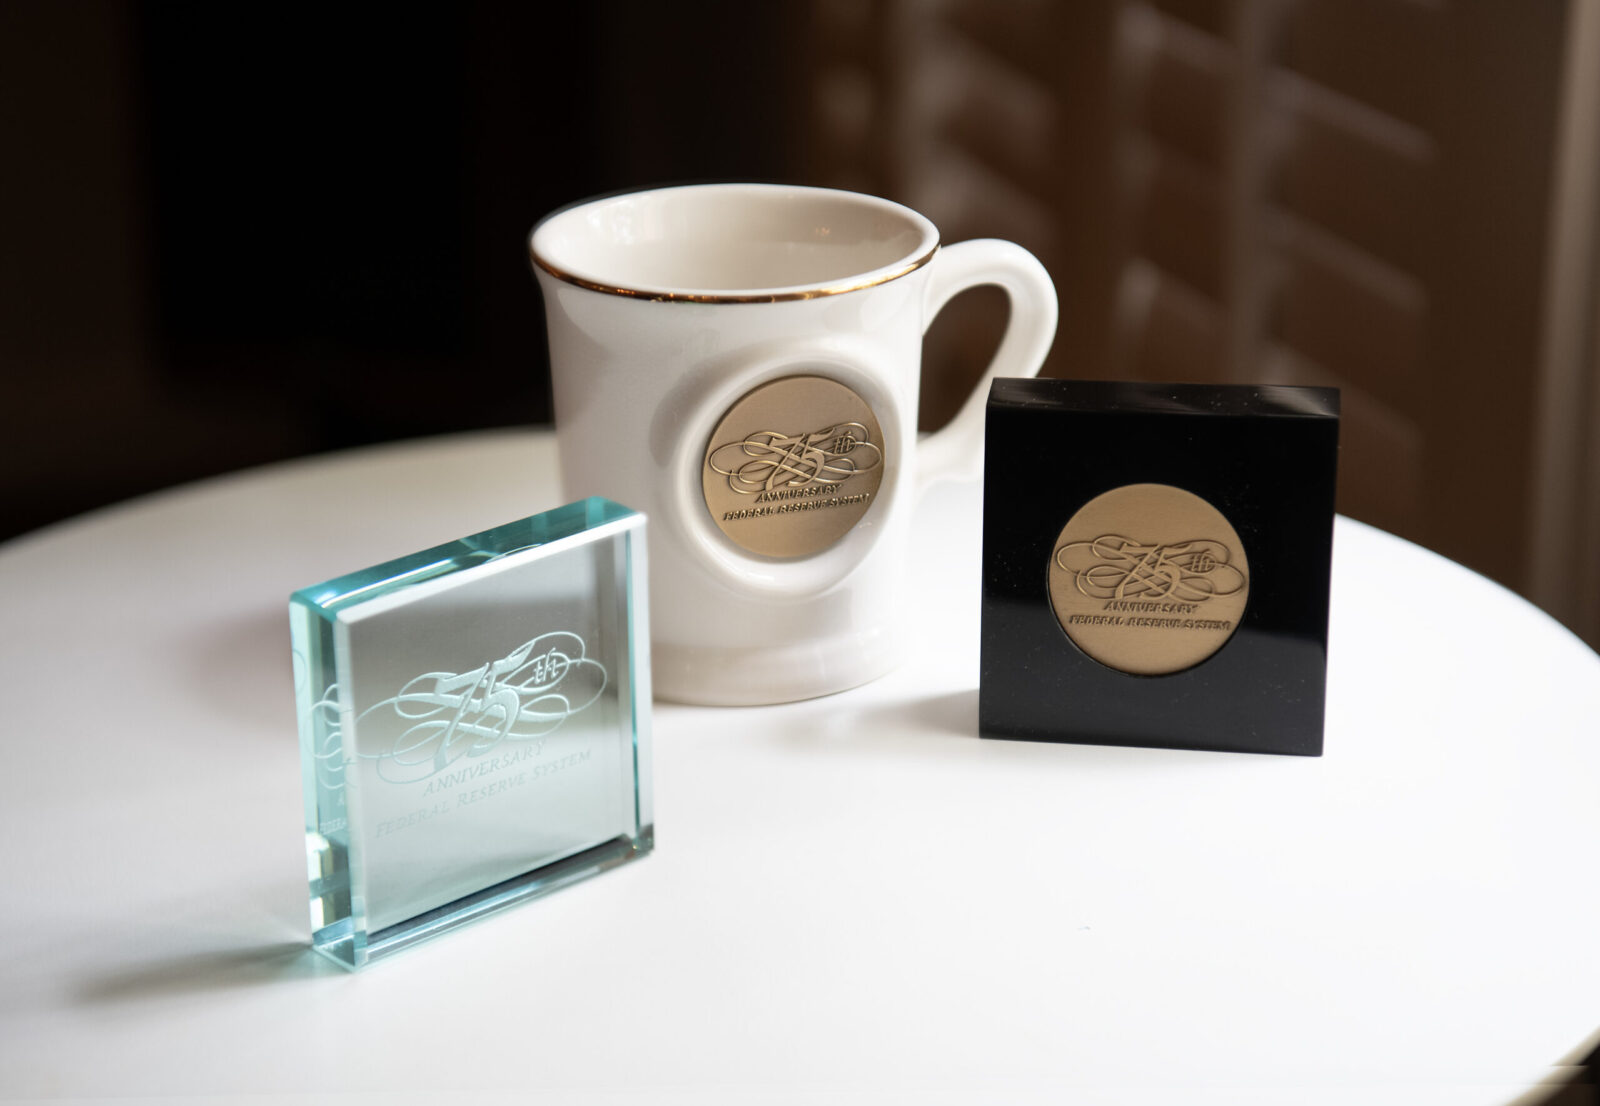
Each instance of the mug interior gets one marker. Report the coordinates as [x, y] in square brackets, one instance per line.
[733, 241]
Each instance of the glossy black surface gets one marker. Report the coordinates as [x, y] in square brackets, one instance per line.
[1264, 456]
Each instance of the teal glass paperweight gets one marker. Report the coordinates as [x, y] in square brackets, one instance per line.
[474, 726]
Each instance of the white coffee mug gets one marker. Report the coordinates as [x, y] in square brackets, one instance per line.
[741, 362]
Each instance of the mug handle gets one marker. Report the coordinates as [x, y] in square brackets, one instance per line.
[956, 452]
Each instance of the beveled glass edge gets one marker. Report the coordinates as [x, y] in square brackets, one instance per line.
[354, 949]
[553, 528]
[642, 692]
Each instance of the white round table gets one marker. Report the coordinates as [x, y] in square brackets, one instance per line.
[853, 898]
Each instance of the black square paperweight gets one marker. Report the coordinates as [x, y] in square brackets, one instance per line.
[1156, 561]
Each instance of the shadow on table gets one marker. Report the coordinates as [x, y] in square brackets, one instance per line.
[197, 973]
[834, 723]
[954, 714]
[902, 722]
[240, 666]
[931, 721]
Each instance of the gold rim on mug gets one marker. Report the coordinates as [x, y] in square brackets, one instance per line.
[722, 297]
[543, 257]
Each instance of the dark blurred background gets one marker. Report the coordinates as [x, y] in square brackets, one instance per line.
[231, 234]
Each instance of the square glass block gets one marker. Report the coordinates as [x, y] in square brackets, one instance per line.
[474, 726]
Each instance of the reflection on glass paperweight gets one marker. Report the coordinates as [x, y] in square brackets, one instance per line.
[474, 726]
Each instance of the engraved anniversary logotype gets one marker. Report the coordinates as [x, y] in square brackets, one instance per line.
[439, 718]
[1149, 579]
[792, 466]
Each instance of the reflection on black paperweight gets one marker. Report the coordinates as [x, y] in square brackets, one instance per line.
[1156, 560]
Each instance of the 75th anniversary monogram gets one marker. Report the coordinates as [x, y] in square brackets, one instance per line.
[793, 465]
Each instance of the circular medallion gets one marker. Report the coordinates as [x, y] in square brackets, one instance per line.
[792, 466]
[1149, 579]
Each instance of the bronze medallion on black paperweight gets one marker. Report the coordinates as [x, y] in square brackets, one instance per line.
[1148, 579]
[792, 466]
[1156, 564]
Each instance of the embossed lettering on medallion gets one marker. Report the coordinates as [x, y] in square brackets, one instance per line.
[793, 466]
